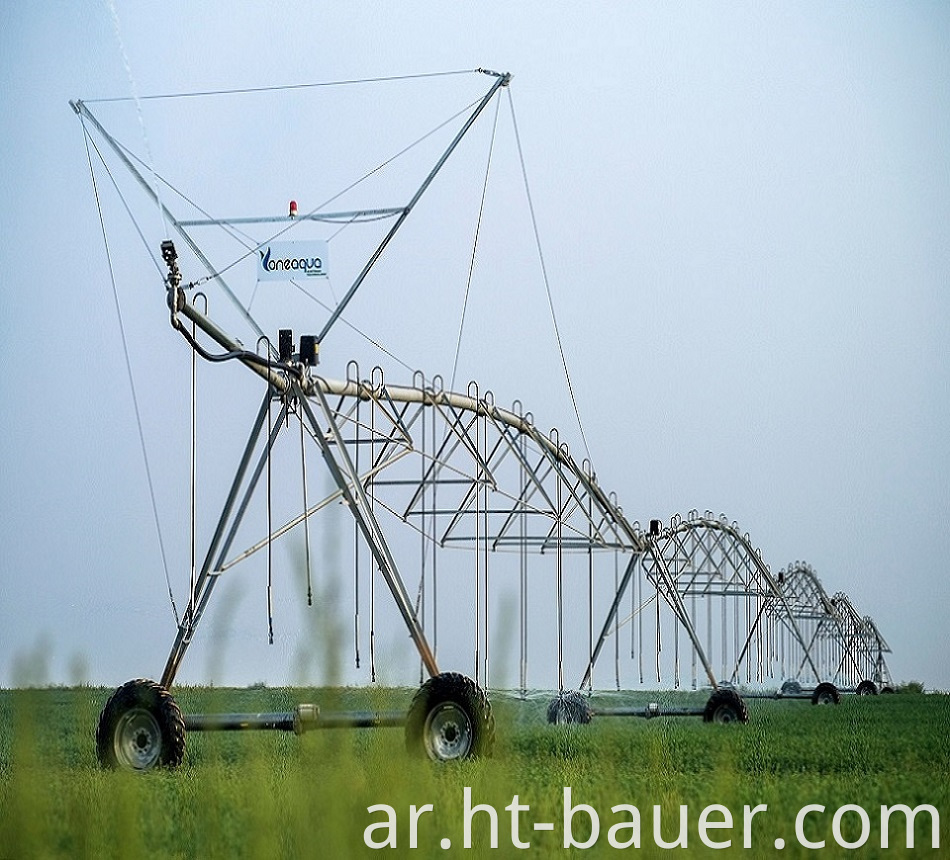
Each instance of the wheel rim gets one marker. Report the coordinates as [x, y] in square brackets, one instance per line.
[448, 733]
[138, 739]
[826, 699]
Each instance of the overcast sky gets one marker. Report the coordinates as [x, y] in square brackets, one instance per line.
[744, 215]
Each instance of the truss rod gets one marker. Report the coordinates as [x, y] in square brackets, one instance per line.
[82, 110]
[346, 478]
[286, 219]
[206, 582]
[501, 81]
[611, 616]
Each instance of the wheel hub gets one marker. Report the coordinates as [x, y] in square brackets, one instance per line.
[138, 739]
[448, 733]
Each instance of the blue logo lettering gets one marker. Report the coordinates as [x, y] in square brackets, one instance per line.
[310, 266]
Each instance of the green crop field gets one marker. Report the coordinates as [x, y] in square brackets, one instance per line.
[266, 794]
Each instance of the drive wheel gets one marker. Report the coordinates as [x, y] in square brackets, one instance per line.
[791, 688]
[569, 709]
[825, 694]
[140, 727]
[866, 688]
[725, 706]
[450, 718]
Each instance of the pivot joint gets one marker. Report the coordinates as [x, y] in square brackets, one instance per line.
[170, 256]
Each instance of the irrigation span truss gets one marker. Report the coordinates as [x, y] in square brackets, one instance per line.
[511, 538]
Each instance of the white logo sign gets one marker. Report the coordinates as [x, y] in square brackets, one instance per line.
[281, 261]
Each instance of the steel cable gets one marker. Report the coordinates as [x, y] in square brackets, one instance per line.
[283, 87]
[478, 225]
[544, 276]
[131, 378]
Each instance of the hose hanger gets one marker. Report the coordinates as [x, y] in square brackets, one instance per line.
[306, 508]
[193, 482]
[268, 494]
[353, 368]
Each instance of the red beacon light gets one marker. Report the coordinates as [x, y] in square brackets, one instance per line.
[293, 208]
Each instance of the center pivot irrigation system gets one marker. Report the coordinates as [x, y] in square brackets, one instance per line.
[506, 531]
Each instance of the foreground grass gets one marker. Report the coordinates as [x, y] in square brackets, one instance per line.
[275, 795]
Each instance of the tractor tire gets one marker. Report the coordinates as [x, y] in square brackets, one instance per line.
[867, 688]
[569, 708]
[791, 688]
[140, 727]
[450, 719]
[825, 694]
[725, 706]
